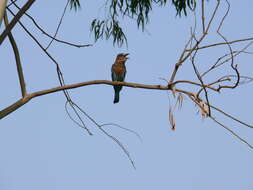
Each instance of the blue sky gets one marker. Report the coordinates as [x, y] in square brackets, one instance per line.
[41, 148]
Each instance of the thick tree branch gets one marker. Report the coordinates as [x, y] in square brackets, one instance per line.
[17, 57]
[15, 20]
[28, 97]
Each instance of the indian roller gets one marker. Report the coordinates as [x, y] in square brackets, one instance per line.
[119, 73]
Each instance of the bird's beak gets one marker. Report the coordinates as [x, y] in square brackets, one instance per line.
[125, 55]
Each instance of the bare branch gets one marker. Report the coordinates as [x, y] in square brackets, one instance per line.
[28, 97]
[58, 27]
[14, 106]
[2, 10]
[182, 57]
[231, 117]
[235, 53]
[108, 135]
[16, 19]
[197, 101]
[97, 82]
[21, 102]
[223, 43]
[82, 125]
[234, 67]
[11, 3]
[232, 132]
[194, 83]
[201, 81]
[203, 15]
[213, 15]
[123, 128]
[17, 57]
[48, 35]
[246, 80]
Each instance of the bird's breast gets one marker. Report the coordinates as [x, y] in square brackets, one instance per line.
[119, 69]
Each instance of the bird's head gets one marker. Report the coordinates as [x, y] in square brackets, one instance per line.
[122, 57]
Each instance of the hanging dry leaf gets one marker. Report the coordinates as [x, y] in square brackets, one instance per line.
[179, 101]
[172, 120]
[203, 108]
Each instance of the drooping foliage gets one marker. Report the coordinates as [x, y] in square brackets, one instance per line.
[138, 10]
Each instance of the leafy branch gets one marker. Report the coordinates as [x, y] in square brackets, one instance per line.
[138, 10]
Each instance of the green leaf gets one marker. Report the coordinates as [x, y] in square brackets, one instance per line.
[139, 10]
[75, 4]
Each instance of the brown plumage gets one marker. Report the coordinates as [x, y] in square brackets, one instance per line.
[119, 73]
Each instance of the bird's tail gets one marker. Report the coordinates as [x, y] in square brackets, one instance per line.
[116, 96]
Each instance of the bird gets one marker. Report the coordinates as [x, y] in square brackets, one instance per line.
[119, 73]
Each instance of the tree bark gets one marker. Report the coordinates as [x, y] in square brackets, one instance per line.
[2, 9]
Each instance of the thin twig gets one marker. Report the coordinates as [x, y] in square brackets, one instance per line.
[59, 73]
[194, 83]
[203, 15]
[221, 124]
[234, 67]
[59, 24]
[182, 57]
[247, 79]
[126, 129]
[16, 19]
[11, 3]
[201, 81]
[236, 53]
[82, 125]
[231, 117]
[224, 126]
[48, 35]
[217, 64]
[223, 43]
[108, 135]
[28, 97]
[232, 132]
[213, 15]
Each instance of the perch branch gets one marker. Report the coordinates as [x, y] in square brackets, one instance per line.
[30, 96]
